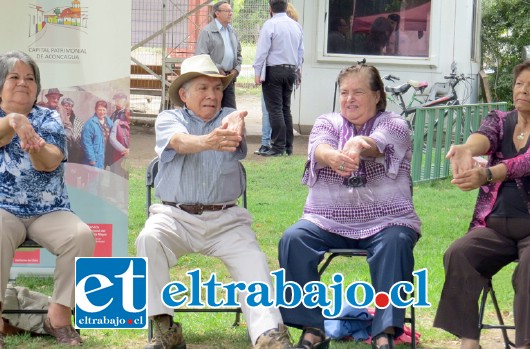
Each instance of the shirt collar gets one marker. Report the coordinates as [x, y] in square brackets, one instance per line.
[195, 116]
[280, 14]
[219, 25]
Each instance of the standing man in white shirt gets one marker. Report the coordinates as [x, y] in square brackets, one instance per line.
[219, 40]
[279, 54]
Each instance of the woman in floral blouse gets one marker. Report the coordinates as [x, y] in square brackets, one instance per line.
[34, 202]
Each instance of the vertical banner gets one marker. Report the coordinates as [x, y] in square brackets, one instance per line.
[82, 48]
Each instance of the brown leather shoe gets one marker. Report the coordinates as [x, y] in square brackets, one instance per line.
[166, 336]
[276, 338]
[64, 335]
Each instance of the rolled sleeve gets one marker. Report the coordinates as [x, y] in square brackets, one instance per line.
[323, 132]
[392, 137]
[167, 124]
[518, 166]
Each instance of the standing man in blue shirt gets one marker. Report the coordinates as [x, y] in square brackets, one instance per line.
[219, 40]
[279, 54]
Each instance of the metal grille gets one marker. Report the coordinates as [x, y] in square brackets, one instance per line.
[436, 129]
[165, 32]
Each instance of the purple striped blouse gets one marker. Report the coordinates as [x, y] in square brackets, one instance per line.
[385, 201]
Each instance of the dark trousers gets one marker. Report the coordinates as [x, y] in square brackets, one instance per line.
[470, 261]
[229, 96]
[390, 259]
[277, 90]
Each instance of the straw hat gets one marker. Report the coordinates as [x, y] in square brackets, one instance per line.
[54, 91]
[200, 65]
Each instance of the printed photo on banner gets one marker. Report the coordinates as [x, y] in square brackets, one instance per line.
[85, 78]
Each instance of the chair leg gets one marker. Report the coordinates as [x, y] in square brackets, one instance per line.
[326, 263]
[507, 341]
[149, 330]
[489, 289]
[482, 308]
[237, 320]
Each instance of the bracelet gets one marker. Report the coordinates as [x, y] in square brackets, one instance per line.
[489, 175]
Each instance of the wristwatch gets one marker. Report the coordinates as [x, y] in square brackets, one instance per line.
[489, 175]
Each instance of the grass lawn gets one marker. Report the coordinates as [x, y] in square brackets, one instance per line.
[275, 199]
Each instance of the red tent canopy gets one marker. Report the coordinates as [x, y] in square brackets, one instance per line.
[414, 19]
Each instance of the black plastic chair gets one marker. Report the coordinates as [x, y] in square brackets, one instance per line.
[150, 175]
[488, 289]
[333, 253]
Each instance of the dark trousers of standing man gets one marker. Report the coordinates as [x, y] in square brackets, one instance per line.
[229, 96]
[277, 89]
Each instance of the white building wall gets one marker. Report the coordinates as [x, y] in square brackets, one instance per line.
[450, 40]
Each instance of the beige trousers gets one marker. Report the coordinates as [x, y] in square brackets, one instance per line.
[60, 232]
[170, 233]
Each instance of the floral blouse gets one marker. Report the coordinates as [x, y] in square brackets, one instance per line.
[385, 200]
[24, 191]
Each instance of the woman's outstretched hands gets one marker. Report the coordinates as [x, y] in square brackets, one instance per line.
[460, 158]
[355, 145]
[468, 171]
[30, 141]
[347, 160]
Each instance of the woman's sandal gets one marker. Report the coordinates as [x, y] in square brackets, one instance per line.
[305, 344]
[390, 339]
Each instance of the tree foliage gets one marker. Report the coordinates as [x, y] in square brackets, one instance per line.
[505, 31]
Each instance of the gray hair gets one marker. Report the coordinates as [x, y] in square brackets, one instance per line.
[186, 86]
[8, 61]
[67, 100]
[217, 6]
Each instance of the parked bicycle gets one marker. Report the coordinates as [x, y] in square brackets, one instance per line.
[441, 94]
[396, 93]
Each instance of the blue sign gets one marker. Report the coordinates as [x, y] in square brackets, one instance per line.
[111, 293]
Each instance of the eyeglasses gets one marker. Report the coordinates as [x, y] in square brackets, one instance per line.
[227, 11]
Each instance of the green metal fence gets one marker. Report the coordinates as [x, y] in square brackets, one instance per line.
[435, 129]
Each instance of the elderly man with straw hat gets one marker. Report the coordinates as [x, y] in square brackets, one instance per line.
[52, 99]
[198, 183]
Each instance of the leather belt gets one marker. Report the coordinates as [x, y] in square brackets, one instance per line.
[284, 66]
[198, 209]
